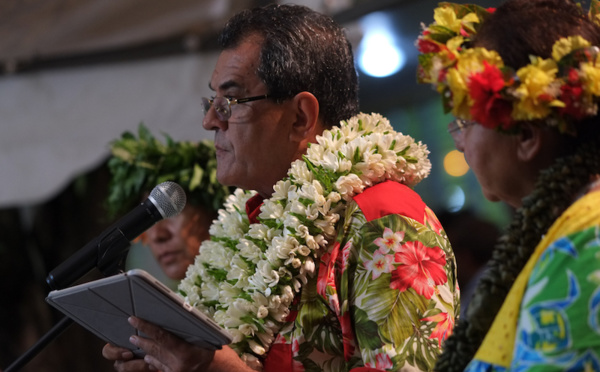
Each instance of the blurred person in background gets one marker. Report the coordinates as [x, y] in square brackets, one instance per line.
[140, 163]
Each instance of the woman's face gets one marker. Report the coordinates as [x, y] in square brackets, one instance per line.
[174, 241]
[493, 158]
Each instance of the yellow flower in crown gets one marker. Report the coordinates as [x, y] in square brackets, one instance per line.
[590, 73]
[470, 62]
[537, 91]
[446, 17]
[567, 45]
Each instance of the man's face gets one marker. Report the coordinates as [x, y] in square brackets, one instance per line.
[253, 146]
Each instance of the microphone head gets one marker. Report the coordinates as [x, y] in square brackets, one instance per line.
[169, 198]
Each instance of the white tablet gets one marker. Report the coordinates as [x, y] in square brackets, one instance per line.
[103, 306]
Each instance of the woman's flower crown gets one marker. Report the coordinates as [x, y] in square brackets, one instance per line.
[475, 84]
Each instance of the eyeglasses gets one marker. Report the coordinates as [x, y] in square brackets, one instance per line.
[456, 127]
[222, 105]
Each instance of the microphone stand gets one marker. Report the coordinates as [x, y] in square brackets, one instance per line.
[110, 262]
[54, 332]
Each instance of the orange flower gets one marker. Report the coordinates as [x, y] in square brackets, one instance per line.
[443, 328]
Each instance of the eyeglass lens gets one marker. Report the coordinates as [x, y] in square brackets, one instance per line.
[457, 125]
[221, 105]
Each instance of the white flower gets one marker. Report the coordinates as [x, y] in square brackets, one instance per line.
[260, 232]
[262, 312]
[271, 210]
[292, 222]
[299, 172]
[248, 329]
[256, 348]
[309, 266]
[281, 189]
[349, 185]
[248, 250]
[297, 208]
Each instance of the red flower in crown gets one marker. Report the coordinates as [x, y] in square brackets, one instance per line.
[489, 108]
[570, 95]
[427, 45]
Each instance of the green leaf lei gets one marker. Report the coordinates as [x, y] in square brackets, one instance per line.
[139, 164]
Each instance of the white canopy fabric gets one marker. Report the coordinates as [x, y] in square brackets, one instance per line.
[57, 124]
[33, 29]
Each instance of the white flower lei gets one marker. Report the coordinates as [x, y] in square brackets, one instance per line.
[246, 276]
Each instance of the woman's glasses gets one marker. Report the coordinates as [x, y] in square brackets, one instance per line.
[456, 127]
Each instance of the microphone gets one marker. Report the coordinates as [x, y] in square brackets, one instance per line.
[166, 200]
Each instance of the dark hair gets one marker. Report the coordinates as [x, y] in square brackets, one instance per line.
[520, 28]
[302, 50]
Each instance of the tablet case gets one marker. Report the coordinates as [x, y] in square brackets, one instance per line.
[103, 306]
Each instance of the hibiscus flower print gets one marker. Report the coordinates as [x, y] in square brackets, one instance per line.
[382, 362]
[443, 328]
[381, 263]
[432, 221]
[390, 240]
[421, 268]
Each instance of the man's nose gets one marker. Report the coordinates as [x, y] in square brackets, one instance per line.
[212, 122]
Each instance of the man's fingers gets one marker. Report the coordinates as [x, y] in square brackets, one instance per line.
[112, 352]
[131, 366]
[151, 330]
[154, 364]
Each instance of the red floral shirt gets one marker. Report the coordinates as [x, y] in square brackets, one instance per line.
[385, 297]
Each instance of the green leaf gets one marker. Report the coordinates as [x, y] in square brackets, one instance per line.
[365, 329]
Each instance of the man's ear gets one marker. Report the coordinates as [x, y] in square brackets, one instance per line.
[307, 123]
[529, 141]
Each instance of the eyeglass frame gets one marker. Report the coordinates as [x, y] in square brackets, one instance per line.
[457, 126]
[207, 103]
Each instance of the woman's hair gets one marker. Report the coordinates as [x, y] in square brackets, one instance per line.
[302, 50]
[520, 28]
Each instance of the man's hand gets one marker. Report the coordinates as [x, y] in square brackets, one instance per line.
[164, 351]
[169, 353]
